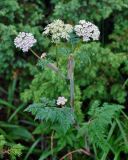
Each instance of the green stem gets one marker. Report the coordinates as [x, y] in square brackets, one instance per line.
[52, 143]
[122, 132]
[35, 54]
[95, 151]
[71, 79]
[57, 58]
[108, 138]
[117, 156]
[12, 90]
[125, 83]
[124, 115]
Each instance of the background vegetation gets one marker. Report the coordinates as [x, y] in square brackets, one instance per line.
[101, 83]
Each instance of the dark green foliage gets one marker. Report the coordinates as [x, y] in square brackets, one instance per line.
[92, 9]
[119, 36]
[101, 69]
[101, 72]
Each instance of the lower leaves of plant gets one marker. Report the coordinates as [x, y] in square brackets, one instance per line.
[96, 129]
[47, 111]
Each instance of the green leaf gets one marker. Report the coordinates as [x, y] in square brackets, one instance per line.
[16, 132]
[32, 148]
[63, 116]
[100, 118]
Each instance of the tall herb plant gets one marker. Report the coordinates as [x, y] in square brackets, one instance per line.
[60, 116]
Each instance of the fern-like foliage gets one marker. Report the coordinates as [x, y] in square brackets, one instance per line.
[47, 111]
[16, 151]
[13, 150]
[100, 119]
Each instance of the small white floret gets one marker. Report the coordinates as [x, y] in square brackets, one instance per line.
[61, 101]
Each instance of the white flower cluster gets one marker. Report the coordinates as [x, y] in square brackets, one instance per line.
[87, 30]
[58, 30]
[61, 101]
[24, 41]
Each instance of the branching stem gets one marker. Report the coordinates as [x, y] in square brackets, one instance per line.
[50, 65]
[78, 150]
[70, 76]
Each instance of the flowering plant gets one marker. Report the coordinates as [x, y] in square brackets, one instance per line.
[48, 110]
[60, 114]
[62, 111]
[59, 31]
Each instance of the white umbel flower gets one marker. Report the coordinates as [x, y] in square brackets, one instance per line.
[61, 101]
[87, 30]
[24, 41]
[58, 30]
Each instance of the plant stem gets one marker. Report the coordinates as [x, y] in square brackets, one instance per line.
[122, 132]
[125, 83]
[57, 58]
[95, 151]
[124, 115]
[108, 138]
[35, 54]
[78, 150]
[52, 143]
[71, 79]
